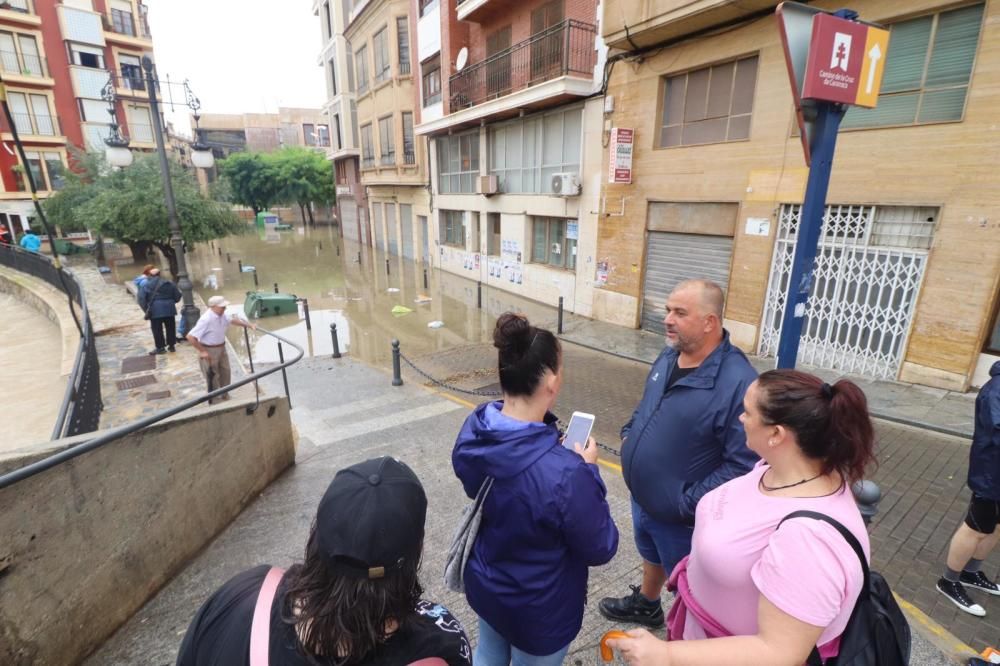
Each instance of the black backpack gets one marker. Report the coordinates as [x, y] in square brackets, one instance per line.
[877, 633]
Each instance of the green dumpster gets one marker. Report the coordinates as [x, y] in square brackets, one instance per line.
[266, 304]
[65, 247]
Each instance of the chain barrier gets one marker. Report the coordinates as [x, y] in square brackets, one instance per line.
[487, 394]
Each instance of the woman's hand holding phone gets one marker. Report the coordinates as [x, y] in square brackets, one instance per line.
[588, 451]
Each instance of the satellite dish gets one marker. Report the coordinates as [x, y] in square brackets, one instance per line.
[462, 59]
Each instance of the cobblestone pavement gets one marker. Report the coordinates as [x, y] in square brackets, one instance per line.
[921, 473]
[337, 428]
[122, 333]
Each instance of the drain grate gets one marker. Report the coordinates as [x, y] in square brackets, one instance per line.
[136, 382]
[138, 364]
[157, 395]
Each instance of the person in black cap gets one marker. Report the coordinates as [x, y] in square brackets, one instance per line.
[354, 601]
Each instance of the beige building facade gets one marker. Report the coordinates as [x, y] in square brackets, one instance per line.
[908, 267]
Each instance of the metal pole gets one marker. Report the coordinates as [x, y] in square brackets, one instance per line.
[828, 117]
[425, 278]
[276, 287]
[189, 311]
[246, 338]
[867, 495]
[397, 373]
[321, 245]
[255, 283]
[284, 375]
[338, 250]
[229, 259]
[479, 294]
[239, 264]
[559, 321]
[220, 250]
[336, 342]
[386, 266]
[359, 257]
[305, 311]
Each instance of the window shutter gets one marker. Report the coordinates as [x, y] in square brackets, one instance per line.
[954, 47]
[904, 65]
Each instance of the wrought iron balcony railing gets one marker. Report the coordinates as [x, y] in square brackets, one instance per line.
[564, 49]
[25, 64]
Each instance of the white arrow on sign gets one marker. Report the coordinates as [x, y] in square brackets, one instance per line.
[875, 54]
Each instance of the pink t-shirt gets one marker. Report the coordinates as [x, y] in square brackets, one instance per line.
[806, 568]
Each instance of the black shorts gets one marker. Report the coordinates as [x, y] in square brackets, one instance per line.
[983, 515]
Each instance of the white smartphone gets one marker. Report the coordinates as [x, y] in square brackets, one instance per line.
[578, 430]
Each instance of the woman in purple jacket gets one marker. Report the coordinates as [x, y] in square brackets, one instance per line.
[545, 520]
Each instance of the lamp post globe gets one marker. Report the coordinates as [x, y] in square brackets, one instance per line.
[118, 156]
[202, 157]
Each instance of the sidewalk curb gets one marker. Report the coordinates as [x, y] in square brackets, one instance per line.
[936, 635]
[882, 416]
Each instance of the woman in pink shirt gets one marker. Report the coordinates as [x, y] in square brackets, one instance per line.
[755, 594]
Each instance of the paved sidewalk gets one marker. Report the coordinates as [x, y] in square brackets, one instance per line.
[345, 412]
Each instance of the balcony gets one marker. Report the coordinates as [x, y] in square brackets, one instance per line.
[478, 11]
[123, 27]
[35, 127]
[24, 66]
[630, 24]
[22, 11]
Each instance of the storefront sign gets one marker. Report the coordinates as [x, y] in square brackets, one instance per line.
[846, 61]
[620, 162]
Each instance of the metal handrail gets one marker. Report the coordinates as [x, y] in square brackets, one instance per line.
[28, 471]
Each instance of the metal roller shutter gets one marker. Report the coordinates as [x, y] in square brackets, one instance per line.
[672, 258]
[392, 232]
[377, 224]
[406, 224]
[349, 219]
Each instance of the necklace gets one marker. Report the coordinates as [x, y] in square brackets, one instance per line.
[790, 485]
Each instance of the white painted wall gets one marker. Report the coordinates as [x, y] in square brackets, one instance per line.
[429, 34]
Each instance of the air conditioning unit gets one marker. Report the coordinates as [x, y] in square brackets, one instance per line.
[565, 184]
[488, 185]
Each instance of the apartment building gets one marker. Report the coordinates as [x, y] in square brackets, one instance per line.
[909, 260]
[507, 104]
[56, 58]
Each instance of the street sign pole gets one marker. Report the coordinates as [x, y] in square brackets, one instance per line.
[827, 122]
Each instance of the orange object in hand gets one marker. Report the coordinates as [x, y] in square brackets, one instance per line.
[606, 653]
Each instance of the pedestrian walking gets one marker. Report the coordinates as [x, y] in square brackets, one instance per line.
[355, 600]
[545, 520]
[141, 278]
[209, 337]
[771, 590]
[683, 440]
[158, 299]
[31, 242]
[977, 536]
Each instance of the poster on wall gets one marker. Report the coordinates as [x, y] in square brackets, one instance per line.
[572, 230]
[510, 256]
[620, 158]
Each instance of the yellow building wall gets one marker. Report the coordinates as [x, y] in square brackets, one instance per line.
[953, 166]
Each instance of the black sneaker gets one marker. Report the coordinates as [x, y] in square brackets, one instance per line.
[979, 581]
[158, 351]
[633, 608]
[171, 349]
[958, 596]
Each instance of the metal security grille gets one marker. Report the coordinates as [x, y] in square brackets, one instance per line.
[869, 267]
[349, 219]
[391, 230]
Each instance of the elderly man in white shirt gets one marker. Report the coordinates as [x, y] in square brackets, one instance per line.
[209, 337]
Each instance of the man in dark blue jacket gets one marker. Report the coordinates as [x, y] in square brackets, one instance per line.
[158, 299]
[978, 535]
[684, 439]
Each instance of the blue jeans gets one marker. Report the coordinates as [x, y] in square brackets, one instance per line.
[494, 650]
[660, 543]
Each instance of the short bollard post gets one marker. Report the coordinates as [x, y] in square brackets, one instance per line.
[255, 283]
[479, 295]
[305, 311]
[397, 372]
[559, 320]
[386, 266]
[359, 257]
[321, 245]
[276, 287]
[867, 495]
[336, 342]
[229, 259]
[239, 264]
[425, 278]
[220, 250]
[338, 250]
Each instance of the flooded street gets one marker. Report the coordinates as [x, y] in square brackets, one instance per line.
[357, 296]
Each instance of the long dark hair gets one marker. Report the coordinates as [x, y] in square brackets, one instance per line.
[831, 423]
[526, 351]
[342, 620]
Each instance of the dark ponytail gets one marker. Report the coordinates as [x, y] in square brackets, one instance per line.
[526, 352]
[831, 423]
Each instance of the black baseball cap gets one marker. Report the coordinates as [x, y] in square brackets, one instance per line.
[371, 519]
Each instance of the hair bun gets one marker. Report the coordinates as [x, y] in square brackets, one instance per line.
[512, 332]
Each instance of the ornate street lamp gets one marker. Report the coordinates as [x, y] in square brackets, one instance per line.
[116, 152]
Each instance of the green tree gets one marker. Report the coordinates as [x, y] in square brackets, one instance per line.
[305, 177]
[251, 180]
[129, 206]
[61, 208]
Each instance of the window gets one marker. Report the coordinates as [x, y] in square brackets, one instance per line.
[458, 163]
[403, 44]
[309, 134]
[709, 105]
[140, 124]
[47, 170]
[453, 228]
[380, 50]
[550, 243]
[526, 154]
[367, 147]
[19, 54]
[32, 114]
[386, 141]
[493, 234]
[498, 63]
[427, 6]
[21, 6]
[432, 81]
[86, 56]
[927, 71]
[339, 135]
[329, 20]
[131, 72]
[123, 22]
[350, 68]
[409, 152]
[333, 77]
[547, 51]
[323, 136]
[361, 60]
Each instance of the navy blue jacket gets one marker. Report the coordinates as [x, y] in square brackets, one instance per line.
[984, 458]
[164, 304]
[544, 523]
[684, 441]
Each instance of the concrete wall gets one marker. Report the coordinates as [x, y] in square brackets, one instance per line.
[51, 303]
[84, 545]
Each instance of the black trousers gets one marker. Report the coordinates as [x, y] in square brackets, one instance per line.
[158, 324]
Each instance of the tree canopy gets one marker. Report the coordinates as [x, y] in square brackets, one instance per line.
[291, 176]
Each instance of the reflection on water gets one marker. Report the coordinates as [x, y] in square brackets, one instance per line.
[356, 295]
